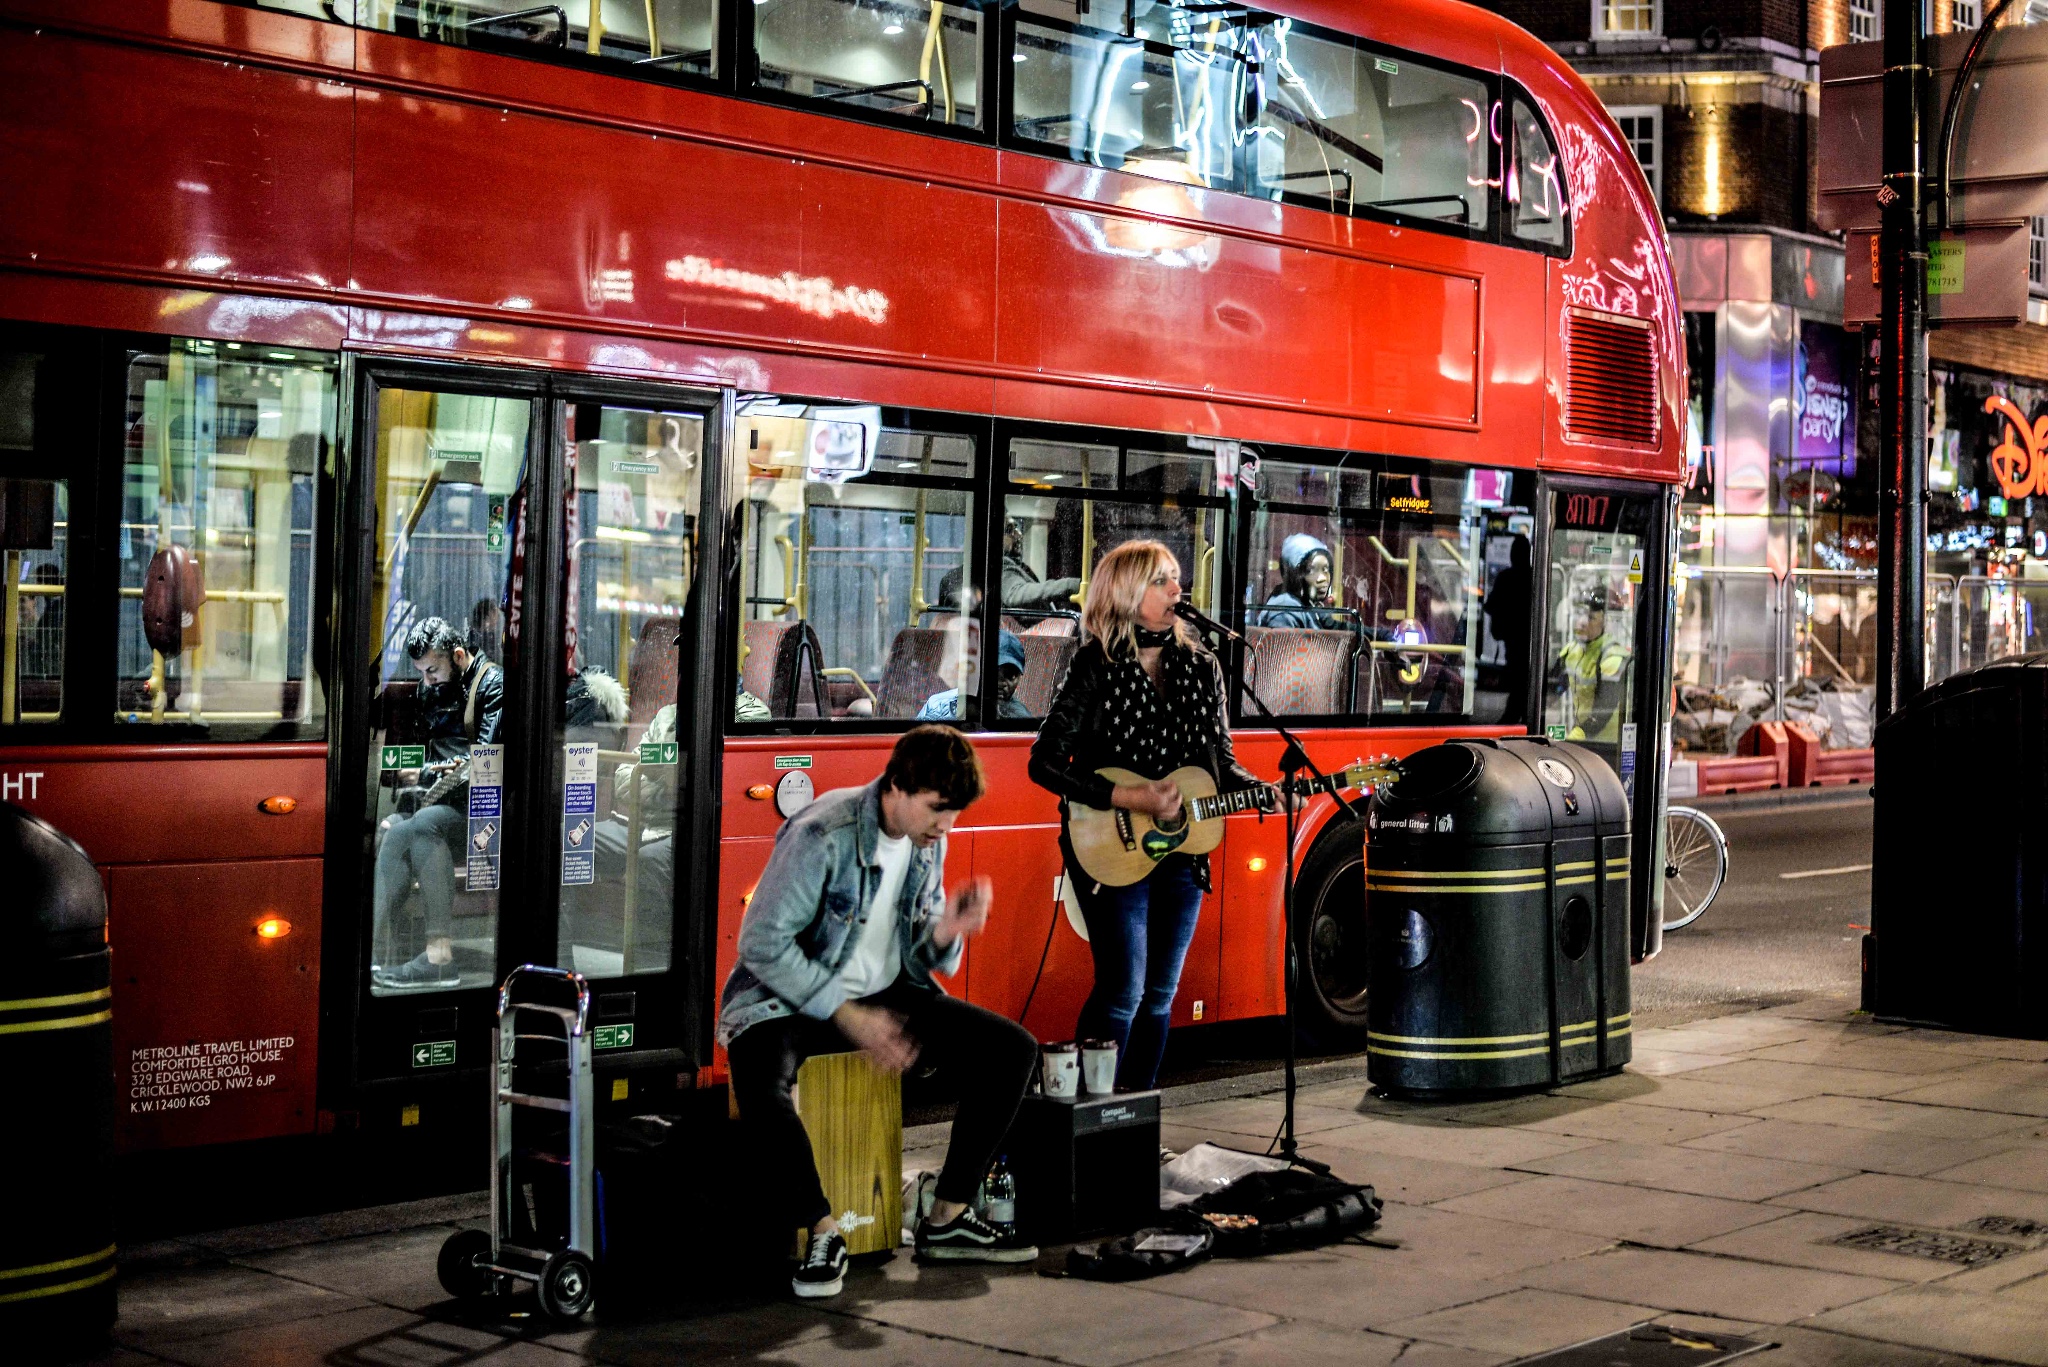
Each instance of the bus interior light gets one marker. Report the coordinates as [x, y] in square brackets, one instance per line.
[273, 928]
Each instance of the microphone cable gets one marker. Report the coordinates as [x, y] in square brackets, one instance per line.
[1052, 927]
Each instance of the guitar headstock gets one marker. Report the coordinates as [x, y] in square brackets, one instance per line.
[1368, 774]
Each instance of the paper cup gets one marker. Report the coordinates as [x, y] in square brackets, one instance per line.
[1098, 1066]
[1062, 1070]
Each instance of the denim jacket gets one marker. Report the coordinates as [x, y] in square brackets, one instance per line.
[807, 912]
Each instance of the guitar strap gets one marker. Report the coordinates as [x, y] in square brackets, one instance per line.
[469, 707]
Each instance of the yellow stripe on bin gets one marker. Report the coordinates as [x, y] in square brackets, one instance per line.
[1462, 873]
[1576, 864]
[69, 999]
[1375, 886]
[61, 1265]
[1456, 1039]
[1456, 1058]
[55, 1023]
[1580, 878]
[60, 1289]
[1624, 1016]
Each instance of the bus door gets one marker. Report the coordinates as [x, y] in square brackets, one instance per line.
[1605, 672]
[520, 731]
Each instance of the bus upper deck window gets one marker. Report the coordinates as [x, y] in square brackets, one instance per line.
[662, 36]
[1537, 212]
[220, 484]
[919, 59]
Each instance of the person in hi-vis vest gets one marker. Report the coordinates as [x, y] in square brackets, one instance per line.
[1595, 668]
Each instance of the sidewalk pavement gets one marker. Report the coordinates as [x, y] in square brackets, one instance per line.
[1706, 1187]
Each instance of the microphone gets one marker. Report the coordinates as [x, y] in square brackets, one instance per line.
[1188, 612]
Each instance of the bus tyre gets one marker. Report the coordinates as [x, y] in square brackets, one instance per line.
[568, 1285]
[1330, 936]
[465, 1264]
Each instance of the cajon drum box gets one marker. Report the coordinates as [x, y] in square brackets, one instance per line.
[853, 1112]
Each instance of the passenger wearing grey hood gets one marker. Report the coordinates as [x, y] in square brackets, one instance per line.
[1306, 579]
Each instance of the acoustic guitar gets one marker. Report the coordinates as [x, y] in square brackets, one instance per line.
[1117, 847]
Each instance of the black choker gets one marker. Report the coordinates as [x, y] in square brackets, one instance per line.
[1153, 640]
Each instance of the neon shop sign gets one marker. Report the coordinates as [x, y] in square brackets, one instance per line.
[2020, 462]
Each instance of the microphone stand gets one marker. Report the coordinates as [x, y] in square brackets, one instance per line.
[1293, 760]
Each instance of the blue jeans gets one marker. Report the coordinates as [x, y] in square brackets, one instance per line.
[1139, 938]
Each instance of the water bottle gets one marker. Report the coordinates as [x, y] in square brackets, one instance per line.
[1000, 1203]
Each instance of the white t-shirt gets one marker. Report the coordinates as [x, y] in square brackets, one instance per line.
[877, 959]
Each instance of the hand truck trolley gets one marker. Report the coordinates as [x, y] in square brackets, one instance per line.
[543, 1165]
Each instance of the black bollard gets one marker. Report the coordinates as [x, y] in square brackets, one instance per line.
[57, 1057]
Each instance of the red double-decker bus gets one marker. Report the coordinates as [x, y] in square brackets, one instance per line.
[735, 383]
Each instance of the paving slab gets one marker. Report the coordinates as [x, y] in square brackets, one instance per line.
[1468, 1247]
[1684, 1092]
[390, 1269]
[1660, 1218]
[1319, 1345]
[1522, 1322]
[1327, 1286]
[372, 1335]
[1699, 1172]
[162, 1306]
[342, 1224]
[1474, 1145]
[1917, 1200]
[1989, 1088]
[1841, 1146]
[1664, 1062]
[1982, 1325]
[2023, 1168]
[1621, 1121]
[1802, 1239]
[1810, 1079]
[1017, 1311]
[1877, 1054]
[1984, 1046]
[1258, 1116]
[1412, 1181]
[1897, 1117]
[1708, 1285]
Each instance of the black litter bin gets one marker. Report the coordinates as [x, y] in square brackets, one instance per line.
[1959, 888]
[1497, 892]
[57, 1067]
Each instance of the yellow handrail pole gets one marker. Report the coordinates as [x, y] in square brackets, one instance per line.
[593, 39]
[631, 913]
[919, 544]
[788, 549]
[1393, 615]
[10, 636]
[934, 39]
[653, 31]
[1080, 595]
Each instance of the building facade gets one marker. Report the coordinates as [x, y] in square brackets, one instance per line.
[1721, 100]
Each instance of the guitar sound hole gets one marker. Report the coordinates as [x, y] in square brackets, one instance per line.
[1175, 826]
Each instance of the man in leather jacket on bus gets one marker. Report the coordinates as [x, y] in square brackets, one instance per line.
[461, 699]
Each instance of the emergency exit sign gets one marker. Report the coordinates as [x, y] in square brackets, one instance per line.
[438, 1053]
[403, 757]
[660, 751]
[612, 1037]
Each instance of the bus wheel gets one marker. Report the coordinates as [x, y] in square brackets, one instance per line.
[1330, 935]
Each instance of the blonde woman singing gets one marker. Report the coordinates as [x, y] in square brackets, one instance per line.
[1142, 694]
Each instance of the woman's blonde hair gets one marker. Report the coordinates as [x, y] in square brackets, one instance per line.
[1118, 587]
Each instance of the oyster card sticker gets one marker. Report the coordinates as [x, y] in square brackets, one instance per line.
[579, 813]
[486, 817]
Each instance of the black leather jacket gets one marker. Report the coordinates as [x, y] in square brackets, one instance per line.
[1070, 749]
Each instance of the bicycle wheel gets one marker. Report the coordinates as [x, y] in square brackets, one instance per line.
[1695, 863]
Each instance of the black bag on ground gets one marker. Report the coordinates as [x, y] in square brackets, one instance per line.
[1134, 1257]
[1268, 1212]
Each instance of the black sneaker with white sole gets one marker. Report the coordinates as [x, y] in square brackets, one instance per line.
[823, 1270]
[967, 1238]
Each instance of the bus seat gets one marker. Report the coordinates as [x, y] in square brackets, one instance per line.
[1046, 658]
[912, 673]
[1299, 670]
[1053, 626]
[652, 672]
[1251, 664]
[781, 668]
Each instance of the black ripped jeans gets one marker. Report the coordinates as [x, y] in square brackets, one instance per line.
[988, 1058]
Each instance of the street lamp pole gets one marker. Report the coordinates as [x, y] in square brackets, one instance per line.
[1902, 365]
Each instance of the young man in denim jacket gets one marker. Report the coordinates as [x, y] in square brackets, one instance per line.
[841, 942]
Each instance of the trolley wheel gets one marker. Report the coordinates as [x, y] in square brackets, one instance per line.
[568, 1286]
[1330, 934]
[1695, 864]
[464, 1266]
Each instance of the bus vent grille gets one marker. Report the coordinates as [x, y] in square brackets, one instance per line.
[1611, 379]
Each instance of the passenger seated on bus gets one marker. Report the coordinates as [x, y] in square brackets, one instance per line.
[747, 707]
[1010, 666]
[461, 699]
[1305, 582]
[1023, 590]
